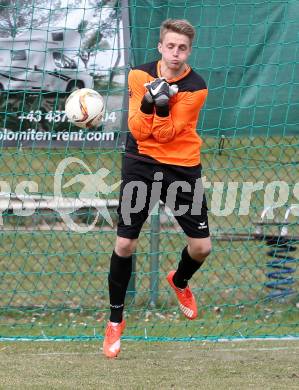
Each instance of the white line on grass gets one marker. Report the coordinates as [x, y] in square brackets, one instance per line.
[58, 353]
[204, 345]
[171, 351]
[155, 339]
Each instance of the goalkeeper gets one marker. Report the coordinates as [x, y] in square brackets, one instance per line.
[161, 161]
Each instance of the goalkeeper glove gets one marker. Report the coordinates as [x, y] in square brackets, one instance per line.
[173, 90]
[159, 91]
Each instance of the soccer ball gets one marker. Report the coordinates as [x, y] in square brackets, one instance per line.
[85, 108]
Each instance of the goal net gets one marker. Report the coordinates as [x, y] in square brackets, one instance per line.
[59, 184]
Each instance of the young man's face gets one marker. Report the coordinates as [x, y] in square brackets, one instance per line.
[175, 49]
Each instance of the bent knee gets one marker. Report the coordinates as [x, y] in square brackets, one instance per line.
[203, 252]
[125, 246]
[200, 251]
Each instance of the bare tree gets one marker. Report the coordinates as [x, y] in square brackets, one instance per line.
[16, 15]
[115, 66]
[94, 31]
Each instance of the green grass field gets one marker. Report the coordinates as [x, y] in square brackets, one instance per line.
[232, 298]
[143, 365]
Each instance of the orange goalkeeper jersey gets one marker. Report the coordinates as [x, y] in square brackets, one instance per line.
[168, 139]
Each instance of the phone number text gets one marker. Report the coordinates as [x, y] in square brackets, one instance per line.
[58, 116]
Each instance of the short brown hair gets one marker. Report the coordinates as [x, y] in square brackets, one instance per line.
[180, 26]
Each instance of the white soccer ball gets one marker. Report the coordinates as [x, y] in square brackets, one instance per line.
[85, 108]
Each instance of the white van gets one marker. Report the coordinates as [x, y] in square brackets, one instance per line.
[41, 61]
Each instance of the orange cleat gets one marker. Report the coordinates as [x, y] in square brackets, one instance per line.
[111, 344]
[187, 302]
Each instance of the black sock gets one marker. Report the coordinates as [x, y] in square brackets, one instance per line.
[118, 280]
[186, 268]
